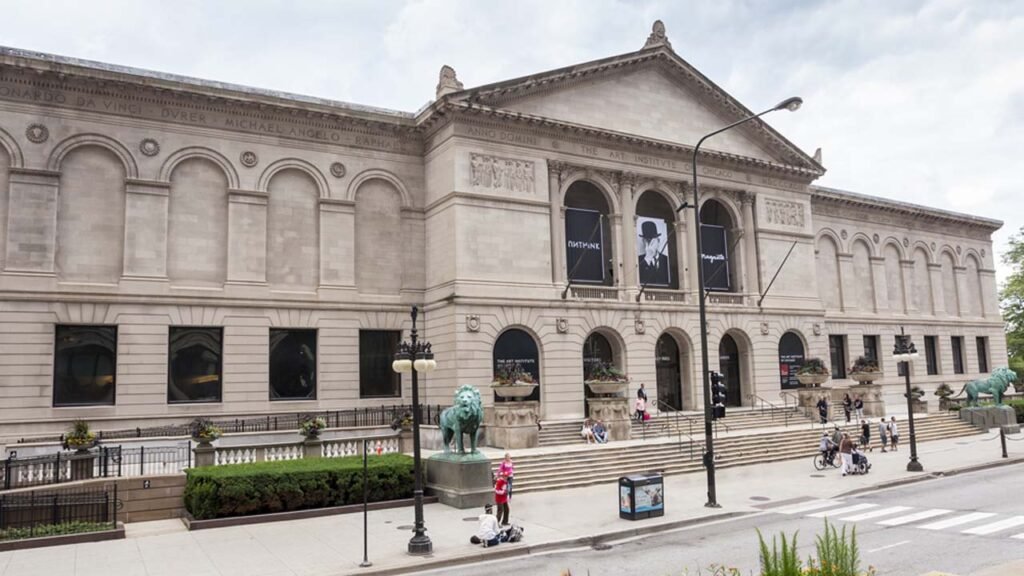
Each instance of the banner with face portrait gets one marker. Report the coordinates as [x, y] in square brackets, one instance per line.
[715, 259]
[652, 253]
[584, 246]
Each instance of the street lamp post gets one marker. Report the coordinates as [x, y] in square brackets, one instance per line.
[790, 104]
[415, 357]
[905, 352]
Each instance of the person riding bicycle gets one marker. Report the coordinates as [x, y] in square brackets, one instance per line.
[827, 447]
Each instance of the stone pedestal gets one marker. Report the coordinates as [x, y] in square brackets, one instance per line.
[312, 448]
[808, 397]
[405, 441]
[82, 465]
[986, 417]
[205, 454]
[614, 412]
[871, 394]
[460, 480]
[514, 425]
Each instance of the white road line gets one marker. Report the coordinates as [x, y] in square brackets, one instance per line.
[996, 526]
[957, 520]
[807, 506]
[876, 514]
[924, 514]
[889, 546]
[1018, 536]
[842, 511]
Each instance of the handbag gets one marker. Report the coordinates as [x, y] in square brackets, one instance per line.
[647, 416]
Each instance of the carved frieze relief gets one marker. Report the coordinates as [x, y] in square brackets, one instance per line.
[784, 213]
[502, 174]
[472, 323]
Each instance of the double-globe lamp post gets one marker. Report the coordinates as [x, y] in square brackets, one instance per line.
[791, 104]
[905, 352]
[415, 357]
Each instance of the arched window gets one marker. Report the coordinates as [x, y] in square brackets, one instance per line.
[90, 216]
[517, 348]
[293, 245]
[597, 351]
[588, 238]
[791, 357]
[719, 257]
[656, 248]
[197, 236]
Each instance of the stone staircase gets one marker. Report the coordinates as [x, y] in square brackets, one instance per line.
[584, 464]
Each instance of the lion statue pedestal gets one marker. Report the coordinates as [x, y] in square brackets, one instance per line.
[986, 417]
[514, 425]
[461, 478]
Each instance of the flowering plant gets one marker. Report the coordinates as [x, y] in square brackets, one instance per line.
[311, 426]
[80, 436]
[604, 372]
[813, 366]
[864, 364]
[512, 374]
[204, 430]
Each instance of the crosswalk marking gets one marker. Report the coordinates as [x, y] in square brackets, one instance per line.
[842, 511]
[996, 526]
[1018, 536]
[922, 515]
[808, 506]
[876, 514]
[957, 520]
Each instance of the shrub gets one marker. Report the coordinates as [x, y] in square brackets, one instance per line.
[813, 366]
[1018, 409]
[944, 391]
[41, 530]
[264, 487]
[776, 563]
[864, 364]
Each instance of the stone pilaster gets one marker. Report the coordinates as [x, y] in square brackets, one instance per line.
[247, 236]
[960, 276]
[938, 301]
[32, 221]
[626, 198]
[880, 290]
[557, 222]
[752, 283]
[847, 297]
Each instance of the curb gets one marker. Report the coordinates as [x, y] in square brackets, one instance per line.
[932, 476]
[568, 543]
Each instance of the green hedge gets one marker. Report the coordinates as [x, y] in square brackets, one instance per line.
[1018, 408]
[53, 530]
[264, 487]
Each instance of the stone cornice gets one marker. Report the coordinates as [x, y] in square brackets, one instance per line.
[843, 198]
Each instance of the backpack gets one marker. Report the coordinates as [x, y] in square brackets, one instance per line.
[514, 533]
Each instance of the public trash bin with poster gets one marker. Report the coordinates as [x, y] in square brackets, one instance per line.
[641, 496]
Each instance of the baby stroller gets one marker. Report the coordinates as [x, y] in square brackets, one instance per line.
[860, 462]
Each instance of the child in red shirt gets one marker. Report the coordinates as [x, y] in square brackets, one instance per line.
[501, 498]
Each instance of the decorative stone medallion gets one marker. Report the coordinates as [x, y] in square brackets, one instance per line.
[639, 326]
[338, 170]
[906, 242]
[842, 234]
[149, 147]
[37, 133]
[958, 249]
[472, 322]
[562, 325]
[875, 238]
[764, 328]
[249, 159]
[817, 329]
[933, 246]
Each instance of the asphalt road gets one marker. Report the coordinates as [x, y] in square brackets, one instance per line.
[961, 524]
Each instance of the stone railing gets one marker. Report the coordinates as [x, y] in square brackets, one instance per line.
[333, 448]
[664, 295]
[722, 298]
[594, 293]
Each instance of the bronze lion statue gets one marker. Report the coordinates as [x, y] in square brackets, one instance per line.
[996, 385]
[464, 416]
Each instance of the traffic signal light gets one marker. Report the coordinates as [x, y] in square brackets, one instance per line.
[718, 390]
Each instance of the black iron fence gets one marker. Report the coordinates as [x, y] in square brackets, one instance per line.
[350, 418]
[100, 462]
[43, 513]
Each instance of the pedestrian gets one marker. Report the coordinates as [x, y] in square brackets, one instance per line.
[846, 452]
[508, 469]
[837, 436]
[894, 435]
[823, 410]
[488, 530]
[641, 405]
[865, 435]
[501, 498]
[883, 429]
[587, 432]
[642, 392]
[847, 407]
[858, 406]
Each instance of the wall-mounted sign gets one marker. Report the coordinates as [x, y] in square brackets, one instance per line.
[584, 246]
[715, 257]
[517, 347]
[791, 357]
[652, 251]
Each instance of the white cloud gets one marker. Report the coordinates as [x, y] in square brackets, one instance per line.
[918, 100]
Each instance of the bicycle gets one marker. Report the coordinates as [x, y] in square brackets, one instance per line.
[822, 461]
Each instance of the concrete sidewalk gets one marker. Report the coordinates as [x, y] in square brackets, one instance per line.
[559, 519]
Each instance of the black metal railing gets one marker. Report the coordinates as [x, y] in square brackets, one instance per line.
[349, 418]
[100, 462]
[39, 513]
[678, 419]
[773, 410]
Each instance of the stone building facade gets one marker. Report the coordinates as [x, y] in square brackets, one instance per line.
[171, 247]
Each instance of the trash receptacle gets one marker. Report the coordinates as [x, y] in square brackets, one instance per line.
[641, 496]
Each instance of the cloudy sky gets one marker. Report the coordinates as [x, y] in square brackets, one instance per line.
[916, 100]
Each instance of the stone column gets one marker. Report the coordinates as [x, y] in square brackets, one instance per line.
[32, 221]
[557, 222]
[753, 281]
[681, 232]
[626, 197]
[881, 291]
[145, 229]
[616, 263]
[847, 278]
[736, 237]
[247, 236]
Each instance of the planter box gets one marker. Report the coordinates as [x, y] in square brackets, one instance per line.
[919, 406]
[865, 376]
[812, 379]
[517, 391]
[601, 387]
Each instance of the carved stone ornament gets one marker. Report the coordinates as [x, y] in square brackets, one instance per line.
[842, 234]
[817, 329]
[338, 170]
[639, 326]
[149, 147]
[502, 174]
[875, 238]
[472, 323]
[447, 81]
[982, 252]
[764, 328]
[933, 246]
[37, 133]
[562, 325]
[249, 159]
[906, 242]
[958, 249]
[658, 36]
[783, 213]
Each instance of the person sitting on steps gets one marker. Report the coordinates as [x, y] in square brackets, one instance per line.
[600, 432]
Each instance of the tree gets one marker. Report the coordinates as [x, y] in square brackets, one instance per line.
[1012, 297]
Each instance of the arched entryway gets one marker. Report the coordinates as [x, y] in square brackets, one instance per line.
[668, 363]
[719, 260]
[598, 351]
[791, 357]
[729, 366]
[588, 236]
[515, 347]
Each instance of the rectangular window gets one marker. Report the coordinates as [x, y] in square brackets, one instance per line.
[195, 362]
[377, 350]
[84, 365]
[982, 354]
[901, 367]
[958, 354]
[292, 364]
[931, 354]
[871, 349]
[837, 352]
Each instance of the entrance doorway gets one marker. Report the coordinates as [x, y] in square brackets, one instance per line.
[597, 352]
[729, 366]
[666, 363]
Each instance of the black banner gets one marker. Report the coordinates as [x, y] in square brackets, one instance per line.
[584, 246]
[791, 357]
[715, 257]
[517, 348]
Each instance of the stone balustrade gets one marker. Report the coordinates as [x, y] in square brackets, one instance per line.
[334, 448]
